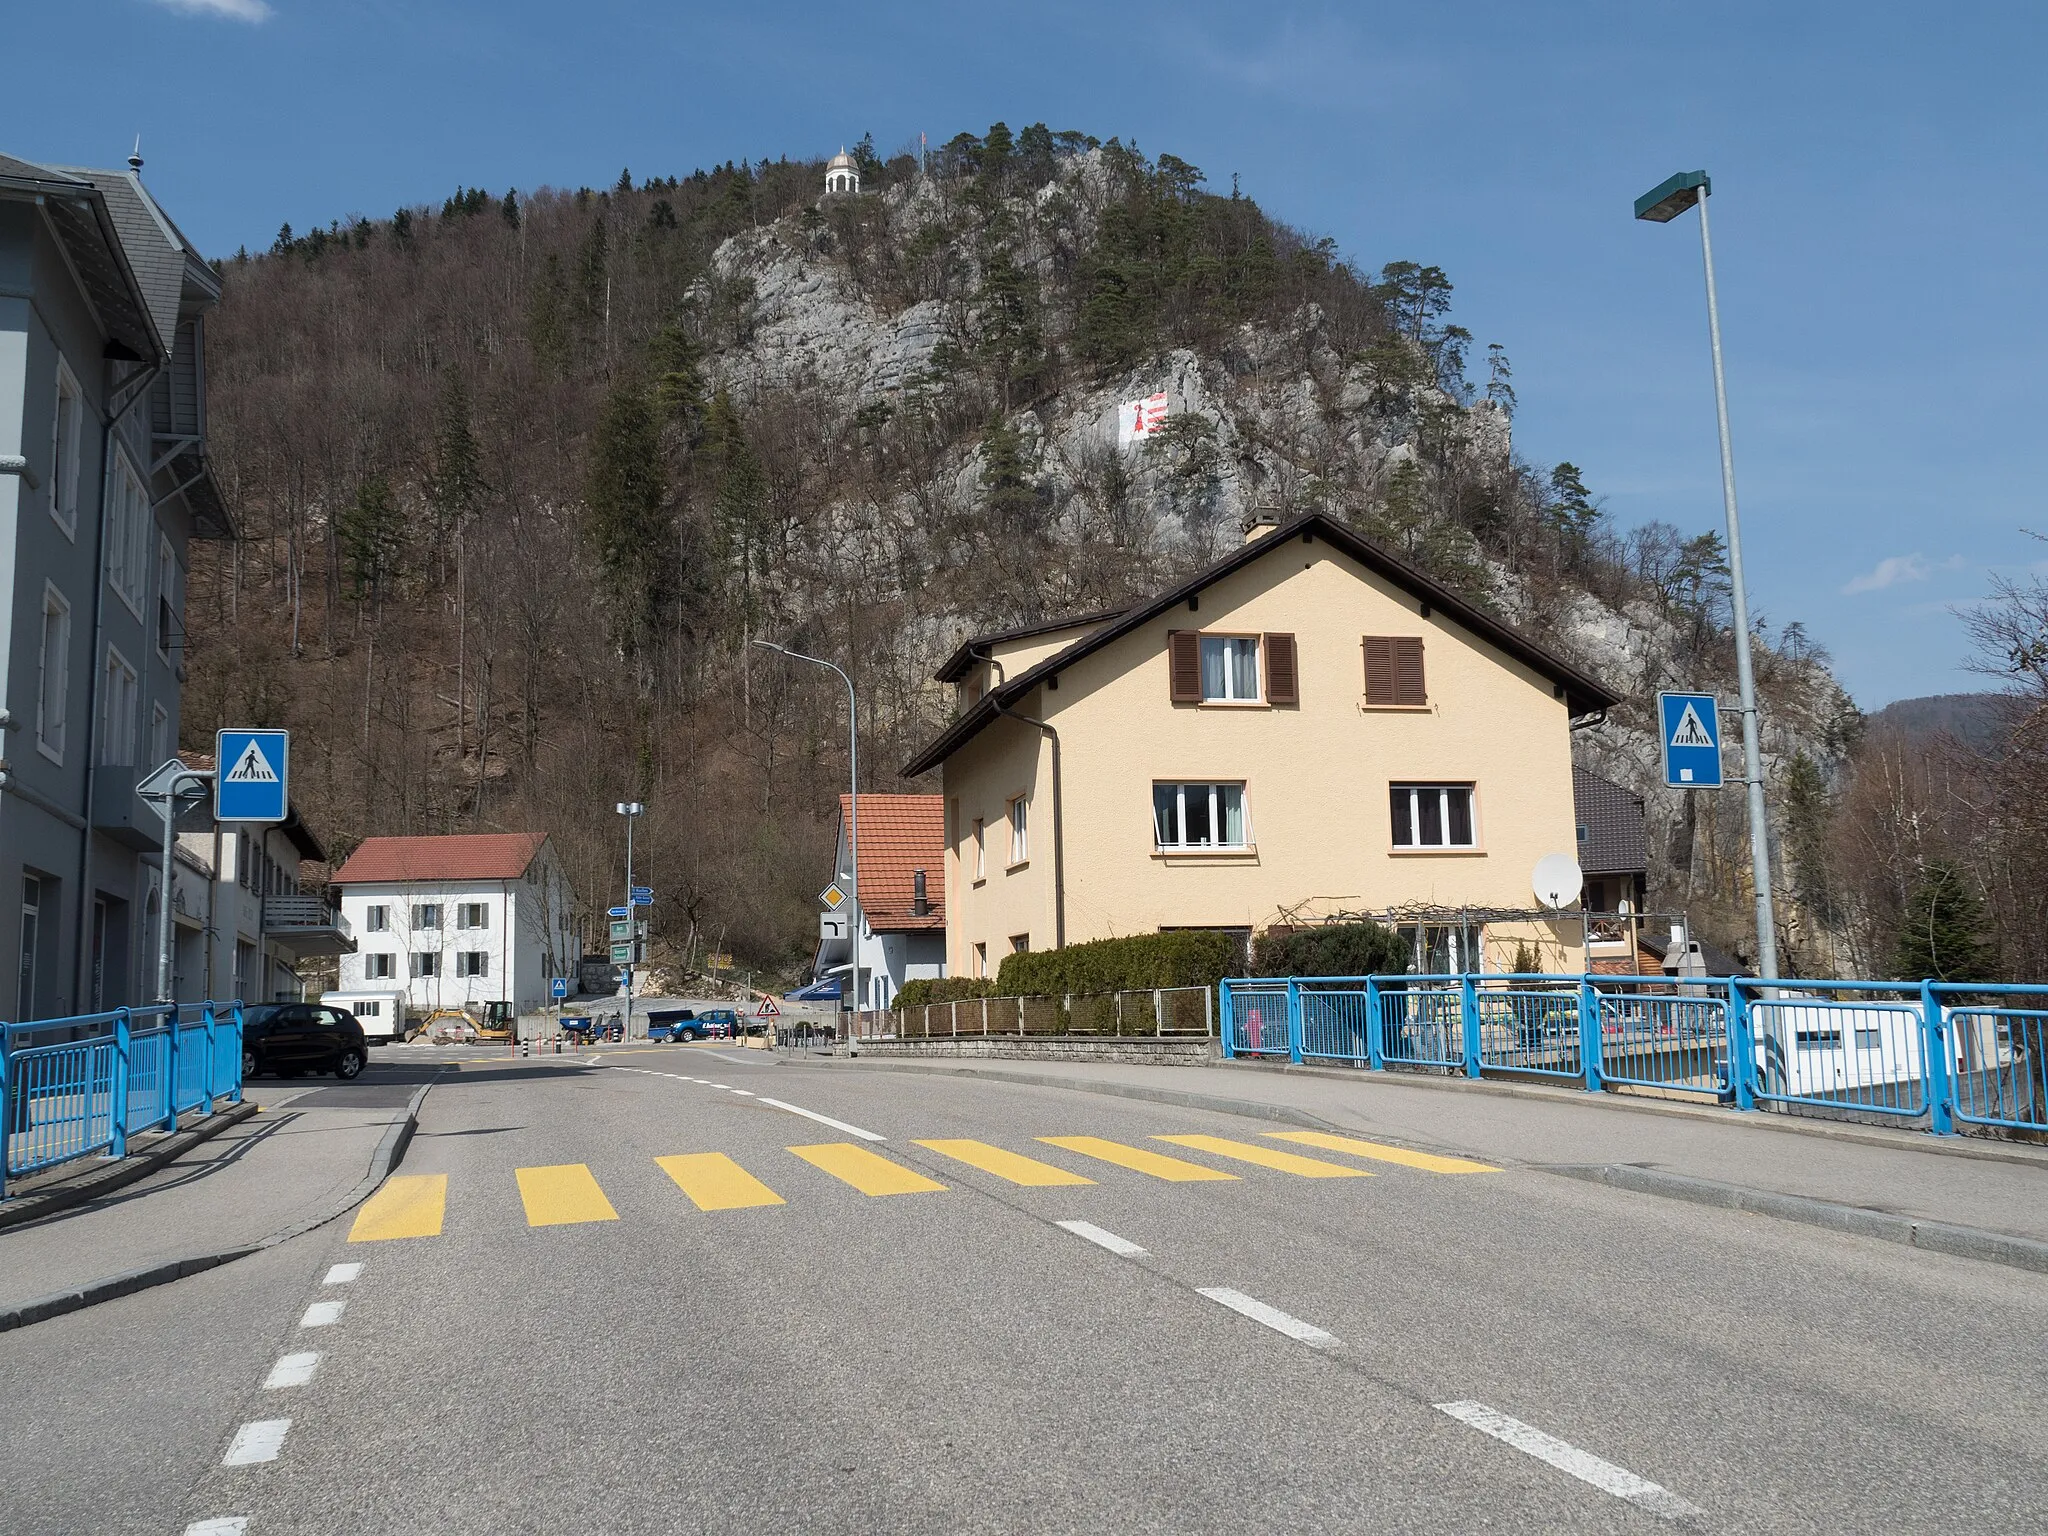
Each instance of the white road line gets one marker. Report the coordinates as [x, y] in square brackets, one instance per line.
[258, 1440]
[1088, 1231]
[223, 1525]
[292, 1371]
[745, 1093]
[322, 1314]
[1272, 1317]
[1583, 1465]
[342, 1274]
[812, 1114]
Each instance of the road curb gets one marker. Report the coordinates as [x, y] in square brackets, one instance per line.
[37, 1204]
[390, 1151]
[1934, 1236]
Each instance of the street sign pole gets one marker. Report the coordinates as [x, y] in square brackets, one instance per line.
[632, 948]
[169, 787]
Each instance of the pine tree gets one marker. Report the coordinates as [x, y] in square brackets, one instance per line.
[739, 497]
[593, 270]
[508, 210]
[631, 530]
[678, 381]
[1945, 934]
[1011, 500]
[547, 320]
[371, 533]
[455, 485]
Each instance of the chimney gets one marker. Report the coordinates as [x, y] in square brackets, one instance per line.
[1261, 521]
[920, 904]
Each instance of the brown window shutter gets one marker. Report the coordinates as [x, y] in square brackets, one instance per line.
[1184, 659]
[1408, 688]
[1283, 686]
[1379, 670]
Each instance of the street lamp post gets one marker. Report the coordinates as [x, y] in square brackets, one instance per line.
[1660, 205]
[632, 810]
[852, 812]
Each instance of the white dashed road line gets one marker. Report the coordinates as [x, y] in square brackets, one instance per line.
[1089, 1232]
[1272, 1317]
[322, 1314]
[812, 1114]
[1583, 1465]
[223, 1525]
[258, 1440]
[342, 1274]
[292, 1371]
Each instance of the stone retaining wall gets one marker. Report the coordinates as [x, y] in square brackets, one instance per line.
[1129, 1048]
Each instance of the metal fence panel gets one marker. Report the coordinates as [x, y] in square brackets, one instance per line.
[1258, 1019]
[1337, 1021]
[2001, 1062]
[1866, 1055]
[60, 1103]
[1531, 1032]
[1661, 1040]
[1422, 1022]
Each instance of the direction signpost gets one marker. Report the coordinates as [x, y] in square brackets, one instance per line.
[1690, 729]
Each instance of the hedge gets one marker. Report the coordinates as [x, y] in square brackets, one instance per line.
[942, 989]
[1139, 963]
[1333, 949]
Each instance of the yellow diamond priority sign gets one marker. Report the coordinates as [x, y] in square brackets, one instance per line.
[833, 897]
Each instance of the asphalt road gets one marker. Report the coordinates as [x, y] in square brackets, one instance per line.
[569, 1343]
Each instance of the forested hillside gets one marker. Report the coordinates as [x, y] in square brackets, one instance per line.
[522, 476]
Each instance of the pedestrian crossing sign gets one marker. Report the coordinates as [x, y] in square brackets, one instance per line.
[252, 771]
[1690, 728]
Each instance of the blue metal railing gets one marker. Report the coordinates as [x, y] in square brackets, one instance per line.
[117, 1073]
[1941, 1055]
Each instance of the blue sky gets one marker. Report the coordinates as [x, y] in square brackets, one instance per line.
[1878, 216]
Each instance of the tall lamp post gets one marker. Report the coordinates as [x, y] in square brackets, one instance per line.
[632, 810]
[852, 811]
[1660, 205]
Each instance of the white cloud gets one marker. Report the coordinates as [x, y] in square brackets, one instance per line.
[230, 10]
[1889, 572]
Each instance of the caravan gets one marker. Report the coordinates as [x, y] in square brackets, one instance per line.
[382, 1014]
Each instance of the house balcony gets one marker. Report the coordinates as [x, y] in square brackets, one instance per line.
[306, 926]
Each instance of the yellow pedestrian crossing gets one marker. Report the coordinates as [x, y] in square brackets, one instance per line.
[1013, 1166]
[1408, 1158]
[409, 1205]
[869, 1172]
[714, 1182]
[1173, 1169]
[562, 1195]
[1267, 1157]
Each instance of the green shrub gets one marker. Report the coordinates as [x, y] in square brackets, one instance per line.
[1141, 962]
[1333, 949]
[942, 989]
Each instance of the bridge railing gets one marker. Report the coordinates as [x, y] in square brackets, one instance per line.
[1938, 1055]
[112, 1075]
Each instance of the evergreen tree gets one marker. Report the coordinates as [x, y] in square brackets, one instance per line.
[1010, 499]
[678, 380]
[371, 533]
[739, 498]
[455, 486]
[1945, 934]
[631, 530]
[508, 210]
[1809, 811]
[593, 269]
[401, 226]
[1498, 388]
[547, 319]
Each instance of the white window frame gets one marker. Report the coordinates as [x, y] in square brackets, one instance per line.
[377, 965]
[53, 675]
[426, 965]
[1020, 830]
[1214, 793]
[472, 963]
[159, 733]
[128, 526]
[377, 917]
[120, 703]
[64, 449]
[420, 923]
[473, 915]
[1443, 791]
[1226, 645]
[980, 850]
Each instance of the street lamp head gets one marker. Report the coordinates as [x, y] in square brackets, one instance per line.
[1667, 200]
[630, 808]
[770, 645]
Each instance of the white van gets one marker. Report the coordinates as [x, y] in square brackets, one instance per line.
[382, 1014]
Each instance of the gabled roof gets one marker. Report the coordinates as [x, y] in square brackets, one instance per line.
[79, 213]
[465, 856]
[1613, 839]
[956, 665]
[899, 835]
[1583, 694]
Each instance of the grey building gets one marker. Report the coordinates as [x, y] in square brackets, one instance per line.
[104, 485]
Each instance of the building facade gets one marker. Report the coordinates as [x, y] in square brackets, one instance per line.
[458, 922]
[104, 485]
[1310, 728]
[899, 921]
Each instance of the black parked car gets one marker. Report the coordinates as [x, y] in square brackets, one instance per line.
[292, 1039]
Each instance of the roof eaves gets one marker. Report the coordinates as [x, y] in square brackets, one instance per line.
[955, 666]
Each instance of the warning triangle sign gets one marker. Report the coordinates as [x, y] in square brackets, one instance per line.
[768, 1009]
[1690, 732]
[252, 767]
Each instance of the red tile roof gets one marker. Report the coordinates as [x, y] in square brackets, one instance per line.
[900, 834]
[468, 856]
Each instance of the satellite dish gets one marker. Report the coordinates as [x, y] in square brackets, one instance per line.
[1557, 879]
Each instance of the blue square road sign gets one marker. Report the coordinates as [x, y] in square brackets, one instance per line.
[559, 986]
[1689, 725]
[252, 776]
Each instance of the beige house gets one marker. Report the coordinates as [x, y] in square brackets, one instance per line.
[1310, 727]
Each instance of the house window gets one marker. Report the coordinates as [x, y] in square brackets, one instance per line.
[980, 849]
[1020, 841]
[53, 682]
[166, 598]
[31, 936]
[377, 919]
[981, 959]
[159, 733]
[1199, 816]
[472, 962]
[118, 700]
[1393, 672]
[377, 966]
[473, 914]
[1432, 815]
[245, 959]
[1020, 943]
[128, 542]
[1230, 669]
[64, 424]
[426, 963]
[425, 918]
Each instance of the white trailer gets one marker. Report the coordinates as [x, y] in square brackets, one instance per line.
[381, 1013]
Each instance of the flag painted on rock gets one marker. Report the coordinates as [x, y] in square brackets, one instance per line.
[1136, 419]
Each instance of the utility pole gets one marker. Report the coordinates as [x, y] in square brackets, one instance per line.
[632, 810]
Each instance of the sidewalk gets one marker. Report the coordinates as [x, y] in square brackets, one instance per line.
[296, 1162]
[1997, 1187]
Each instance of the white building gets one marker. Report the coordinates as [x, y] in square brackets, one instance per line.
[842, 173]
[241, 925]
[458, 921]
[902, 910]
